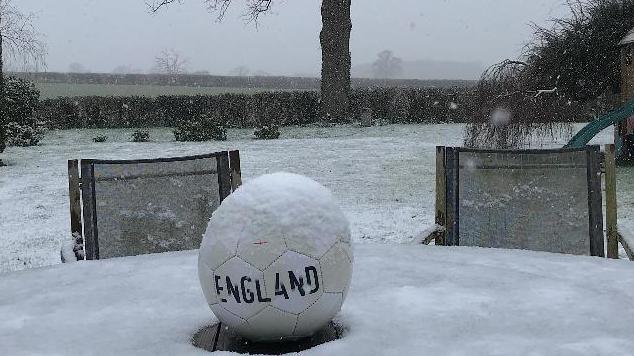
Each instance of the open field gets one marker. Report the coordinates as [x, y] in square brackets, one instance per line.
[99, 84]
[54, 90]
[382, 176]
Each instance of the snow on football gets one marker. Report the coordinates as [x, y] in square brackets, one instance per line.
[276, 259]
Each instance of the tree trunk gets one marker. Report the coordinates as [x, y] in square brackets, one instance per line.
[335, 52]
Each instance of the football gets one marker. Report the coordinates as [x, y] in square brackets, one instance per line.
[275, 262]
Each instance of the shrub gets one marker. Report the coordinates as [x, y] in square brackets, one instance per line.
[267, 132]
[23, 135]
[21, 127]
[202, 128]
[21, 99]
[100, 138]
[141, 136]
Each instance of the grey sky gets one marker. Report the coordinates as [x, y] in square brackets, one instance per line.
[103, 34]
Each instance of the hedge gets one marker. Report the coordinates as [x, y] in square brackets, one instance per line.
[248, 111]
[386, 105]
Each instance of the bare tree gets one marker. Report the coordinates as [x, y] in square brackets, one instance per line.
[126, 69]
[76, 67]
[240, 71]
[335, 47]
[19, 40]
[387, 65]
[170, 62]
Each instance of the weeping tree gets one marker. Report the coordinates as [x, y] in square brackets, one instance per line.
[510, 111]
[579, 54]
[568, 72]
[19, 41]
[335, 48]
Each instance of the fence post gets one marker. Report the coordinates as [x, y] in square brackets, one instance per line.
[610, 202]
[441, 195]
[236, 172]
[74, 197]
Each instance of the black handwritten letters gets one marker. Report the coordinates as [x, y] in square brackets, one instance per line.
[248, 290]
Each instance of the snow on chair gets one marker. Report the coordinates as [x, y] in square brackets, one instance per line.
[131, 207]
[543, 200]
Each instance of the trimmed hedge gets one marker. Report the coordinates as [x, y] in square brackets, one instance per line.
[383, 105]
[251, 111]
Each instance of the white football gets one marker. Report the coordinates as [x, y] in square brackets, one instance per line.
[276, 260]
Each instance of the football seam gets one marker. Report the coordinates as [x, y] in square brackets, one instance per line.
[322, 269]
[315, 302]
[278, 257]
[232, 313]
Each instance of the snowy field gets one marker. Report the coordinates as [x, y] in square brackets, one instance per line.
[404, 300]
[383, 178]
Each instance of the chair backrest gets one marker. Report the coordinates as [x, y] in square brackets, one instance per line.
[133, 207]
[543, 200]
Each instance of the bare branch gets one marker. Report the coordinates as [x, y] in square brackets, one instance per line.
[170, 62]
[19, 37]
[546, 91]
[254, 7]
[154, 6]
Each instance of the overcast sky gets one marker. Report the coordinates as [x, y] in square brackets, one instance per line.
[103, 34]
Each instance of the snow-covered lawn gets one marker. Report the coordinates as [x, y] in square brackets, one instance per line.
[405, 300]
[382, 176]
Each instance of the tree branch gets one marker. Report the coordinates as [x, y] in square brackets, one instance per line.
[156, 5]
[20, 37]
[254, 7]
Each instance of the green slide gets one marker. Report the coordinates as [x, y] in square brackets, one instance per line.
[593, 128]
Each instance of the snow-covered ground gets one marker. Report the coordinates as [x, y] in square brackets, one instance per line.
[404, 300]
[382, 176]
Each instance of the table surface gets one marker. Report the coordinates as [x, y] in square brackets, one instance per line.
[404, 300]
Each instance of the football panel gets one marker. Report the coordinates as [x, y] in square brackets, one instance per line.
[226, 317]
[238, 283]
[270, 324]
[206, 277]
[262, 251]
[308, 244]
[336, 269]
[215, 253]
[347, 247]
[318, 315]
[293, 282]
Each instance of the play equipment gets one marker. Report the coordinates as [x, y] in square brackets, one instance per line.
[586, 134]
[276, 260]
[132, 207]
[624, 142]
[544, 200]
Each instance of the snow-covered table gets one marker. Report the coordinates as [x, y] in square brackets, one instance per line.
[405, 300]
